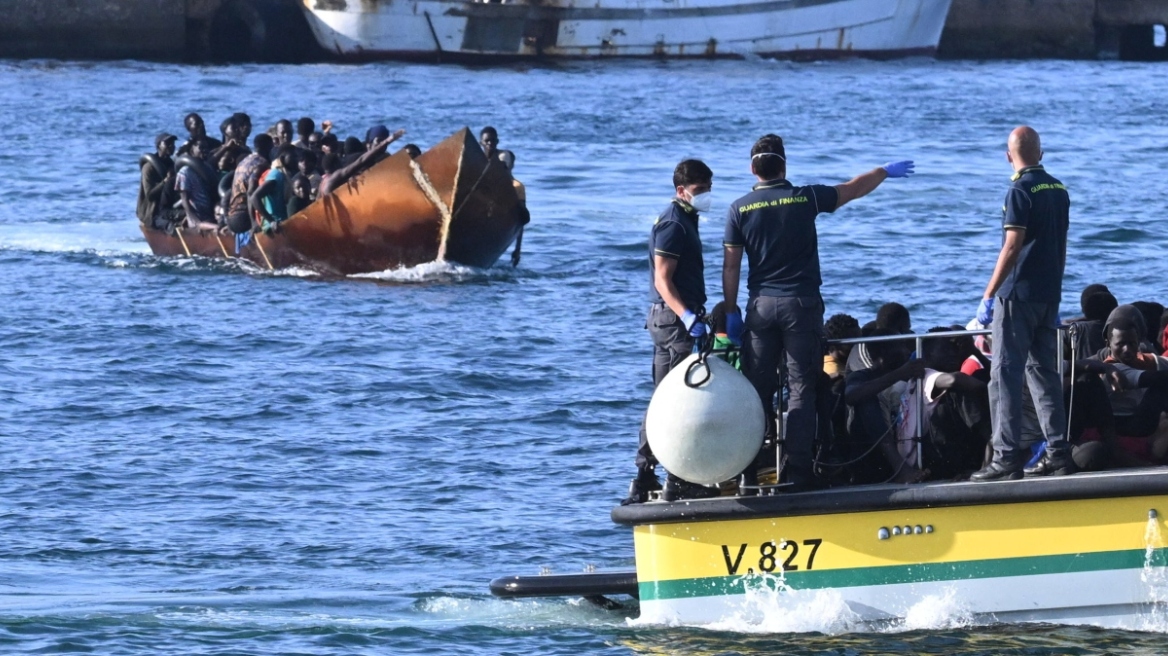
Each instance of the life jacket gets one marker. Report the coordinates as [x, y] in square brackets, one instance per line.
[205, 173]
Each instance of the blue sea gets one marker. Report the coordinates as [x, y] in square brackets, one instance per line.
[199, 457]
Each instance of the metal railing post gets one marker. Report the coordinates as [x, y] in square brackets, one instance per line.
[918, 430]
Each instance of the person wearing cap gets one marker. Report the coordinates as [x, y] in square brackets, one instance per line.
[775, 226]
[156, 194]
[1021, 302]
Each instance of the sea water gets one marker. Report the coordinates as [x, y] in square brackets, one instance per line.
[202, 457]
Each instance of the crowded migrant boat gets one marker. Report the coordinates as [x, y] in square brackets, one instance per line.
[210, 196]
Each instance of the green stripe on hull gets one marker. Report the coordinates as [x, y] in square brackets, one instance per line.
[716, 586]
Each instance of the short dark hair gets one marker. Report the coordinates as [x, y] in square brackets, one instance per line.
[893, 316]
[287, 150]
[930, 346]
[308, 157]
[190, 116]
[768, 157]
[881, 350]
[262, 143]
[329, 140]
[489, 130]
[305, 126]
[413, 150]
[331, 162]
[841, 326]
[691, 171]
[239, 118]
[1088, 291]
[353, 145]
[286, 122]
[1152, 312]
[1098, 306]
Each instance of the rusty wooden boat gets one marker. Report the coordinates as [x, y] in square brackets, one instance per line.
[449, 204]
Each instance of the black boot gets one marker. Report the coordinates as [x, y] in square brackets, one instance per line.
[998, 470]
[679, 490]
[640, 487]
[1052, 464]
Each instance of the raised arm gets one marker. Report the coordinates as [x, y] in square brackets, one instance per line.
[342, 175]
[866, 183]
[860, 186]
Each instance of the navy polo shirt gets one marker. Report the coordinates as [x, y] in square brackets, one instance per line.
[1038, 203]
[675, 235]
[775, 225]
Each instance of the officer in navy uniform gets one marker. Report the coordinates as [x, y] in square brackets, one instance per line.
[677, 297]
[1021, 302]
[775, 225]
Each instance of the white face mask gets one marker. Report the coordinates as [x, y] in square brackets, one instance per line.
[702, 201]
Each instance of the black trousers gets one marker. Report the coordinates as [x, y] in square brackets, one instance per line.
[671, 345]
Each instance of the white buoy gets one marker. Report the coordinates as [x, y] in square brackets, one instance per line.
[708, 433]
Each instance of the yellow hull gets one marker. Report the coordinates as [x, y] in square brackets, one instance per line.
[1081, 560]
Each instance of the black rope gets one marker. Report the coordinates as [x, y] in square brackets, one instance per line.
[705, 348]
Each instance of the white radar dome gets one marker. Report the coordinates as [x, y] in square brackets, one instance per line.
[708, 433]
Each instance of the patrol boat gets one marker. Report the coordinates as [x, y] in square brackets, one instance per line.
[440, 30]
[1083, 549]
[449, 204]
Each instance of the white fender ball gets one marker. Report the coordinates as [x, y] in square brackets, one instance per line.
[709, 433]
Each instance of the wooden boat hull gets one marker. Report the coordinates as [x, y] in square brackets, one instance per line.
[449, 204]
[1084, 549]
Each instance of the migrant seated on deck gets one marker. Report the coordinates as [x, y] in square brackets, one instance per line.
[1133, 393]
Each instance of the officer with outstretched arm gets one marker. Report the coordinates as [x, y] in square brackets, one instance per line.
[1021, 302]
[775, 225]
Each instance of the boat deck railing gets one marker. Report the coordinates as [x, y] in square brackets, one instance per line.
[919, 341]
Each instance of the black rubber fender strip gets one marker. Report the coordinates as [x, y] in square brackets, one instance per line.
[589, 584]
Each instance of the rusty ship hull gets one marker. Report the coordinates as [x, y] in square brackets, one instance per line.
[458, 30]
[450, 204]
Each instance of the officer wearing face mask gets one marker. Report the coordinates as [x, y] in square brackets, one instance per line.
[775, 225]
[677, 293]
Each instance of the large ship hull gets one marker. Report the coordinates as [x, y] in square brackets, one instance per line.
[449, 204]
[1086, 549]
[467, 30]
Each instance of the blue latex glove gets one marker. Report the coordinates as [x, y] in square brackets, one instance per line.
[899, 169]
[690, 321]
[734, 327]
[985, 312]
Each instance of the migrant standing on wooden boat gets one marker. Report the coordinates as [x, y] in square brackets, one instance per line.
[677, 297]
[1022, 302]
[775, 225]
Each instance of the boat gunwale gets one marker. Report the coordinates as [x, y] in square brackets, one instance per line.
[874, 498]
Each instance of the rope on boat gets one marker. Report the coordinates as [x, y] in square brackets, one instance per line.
[427, 187]
[221, 246]
[473, 187]
[181, 240]
[705, 347]
[264, 253]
